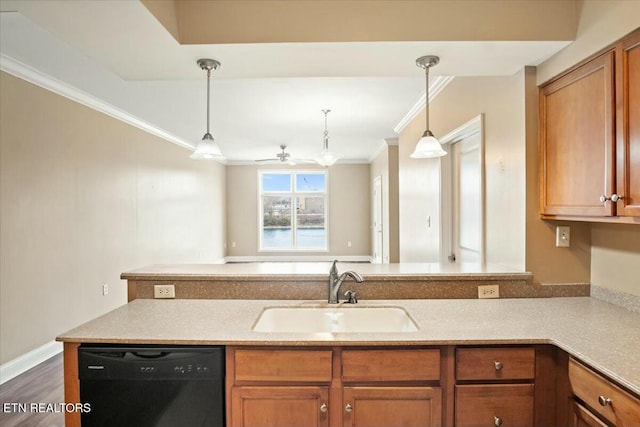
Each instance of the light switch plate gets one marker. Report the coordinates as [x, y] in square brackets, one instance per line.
[563, 236]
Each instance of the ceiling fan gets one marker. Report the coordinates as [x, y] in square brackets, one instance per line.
[284, 157]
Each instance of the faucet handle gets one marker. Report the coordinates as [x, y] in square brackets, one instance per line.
[352, 297]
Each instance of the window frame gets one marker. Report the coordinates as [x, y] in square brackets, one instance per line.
[293, 194]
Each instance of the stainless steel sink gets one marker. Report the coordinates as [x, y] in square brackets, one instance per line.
[341, 319]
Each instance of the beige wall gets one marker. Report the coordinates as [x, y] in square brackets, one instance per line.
[599, 23]
[349, 210]
[385, 165]
[615, 257]
[84, 197]
[501, 99]
[514, 233]
[273, 21]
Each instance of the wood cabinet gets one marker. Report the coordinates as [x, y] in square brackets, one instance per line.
[486, 392]
[286, 406]
[582, 417]
[333, 386]
[577, 140]
[494, 405]
[628, 124]
[604, 400]
[392, 387]
[590, 138]
[392, 406]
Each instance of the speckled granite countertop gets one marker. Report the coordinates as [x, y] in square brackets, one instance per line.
[320, 270]
[601, 334]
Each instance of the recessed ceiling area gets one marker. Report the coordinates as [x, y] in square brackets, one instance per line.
[264, 95]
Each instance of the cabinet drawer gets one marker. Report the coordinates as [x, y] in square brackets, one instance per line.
[582, 417]
[494, 404]
[622, 409]
[390, 365]
[284, 366]
[495, 363]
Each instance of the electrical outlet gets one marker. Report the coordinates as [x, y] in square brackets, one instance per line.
[164, 291]
[563, 236]
[349, 243]
[489, 291]
[105, 289]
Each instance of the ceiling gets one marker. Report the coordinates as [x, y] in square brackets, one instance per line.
[264, 94]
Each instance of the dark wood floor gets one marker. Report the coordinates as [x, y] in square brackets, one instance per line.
[42, 384]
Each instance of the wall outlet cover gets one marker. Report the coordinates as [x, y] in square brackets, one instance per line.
[489, 291]
[164, 291]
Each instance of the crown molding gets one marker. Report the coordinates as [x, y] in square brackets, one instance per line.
[438, 84]
[45, 81]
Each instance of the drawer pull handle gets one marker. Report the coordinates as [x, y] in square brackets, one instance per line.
[498, 365]
[348, 407]
[323, 408]
[604, 401]
[497, 421]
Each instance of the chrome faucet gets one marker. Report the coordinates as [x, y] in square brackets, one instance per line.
[335, 280]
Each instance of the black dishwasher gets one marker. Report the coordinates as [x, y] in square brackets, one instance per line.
[152, 386]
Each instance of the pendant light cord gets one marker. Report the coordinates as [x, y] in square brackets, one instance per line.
[426, 100]
[208, 90]
[325, 143]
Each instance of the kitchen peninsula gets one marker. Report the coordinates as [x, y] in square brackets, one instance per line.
[308, 280]
[539, 349]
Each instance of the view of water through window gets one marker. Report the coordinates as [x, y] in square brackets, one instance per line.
[306, 238]
[293, 201]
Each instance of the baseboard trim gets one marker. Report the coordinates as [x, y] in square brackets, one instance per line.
[298, 258]
[23, 363]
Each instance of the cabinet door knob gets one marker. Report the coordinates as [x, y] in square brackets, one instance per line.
[604, 199]
[615, 198]
[348, 407]
[323, 408]
[604, 401]
[497, 421]
[498, 365]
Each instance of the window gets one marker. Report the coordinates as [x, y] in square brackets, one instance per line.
[293, 210]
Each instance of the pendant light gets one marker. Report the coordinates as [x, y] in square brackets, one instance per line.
[207, 148]
[326, 157]
[428, 146]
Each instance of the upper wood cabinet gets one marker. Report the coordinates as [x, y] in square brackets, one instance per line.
[590, 138]
[628, 124]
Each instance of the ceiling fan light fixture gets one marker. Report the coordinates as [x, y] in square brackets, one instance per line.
[428, 146]
[208, 148]
[326, 157]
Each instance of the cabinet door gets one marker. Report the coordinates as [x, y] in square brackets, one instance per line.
[577, 141]
[392, 406]
[628, 122]
[582, 417]
[279, 406]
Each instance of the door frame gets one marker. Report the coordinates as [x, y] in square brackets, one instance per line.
[468, 129]
[377, 182]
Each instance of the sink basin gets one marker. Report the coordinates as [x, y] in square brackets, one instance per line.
[343, 319]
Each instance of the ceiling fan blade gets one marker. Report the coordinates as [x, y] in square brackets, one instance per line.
[305, 161]
[267, 160]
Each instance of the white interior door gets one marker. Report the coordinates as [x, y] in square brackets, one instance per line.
[467, 200]
[462, 196]
[377, 221]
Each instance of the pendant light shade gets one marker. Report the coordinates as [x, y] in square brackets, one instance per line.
[326, 157]
[428, 147]
[207, 148]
